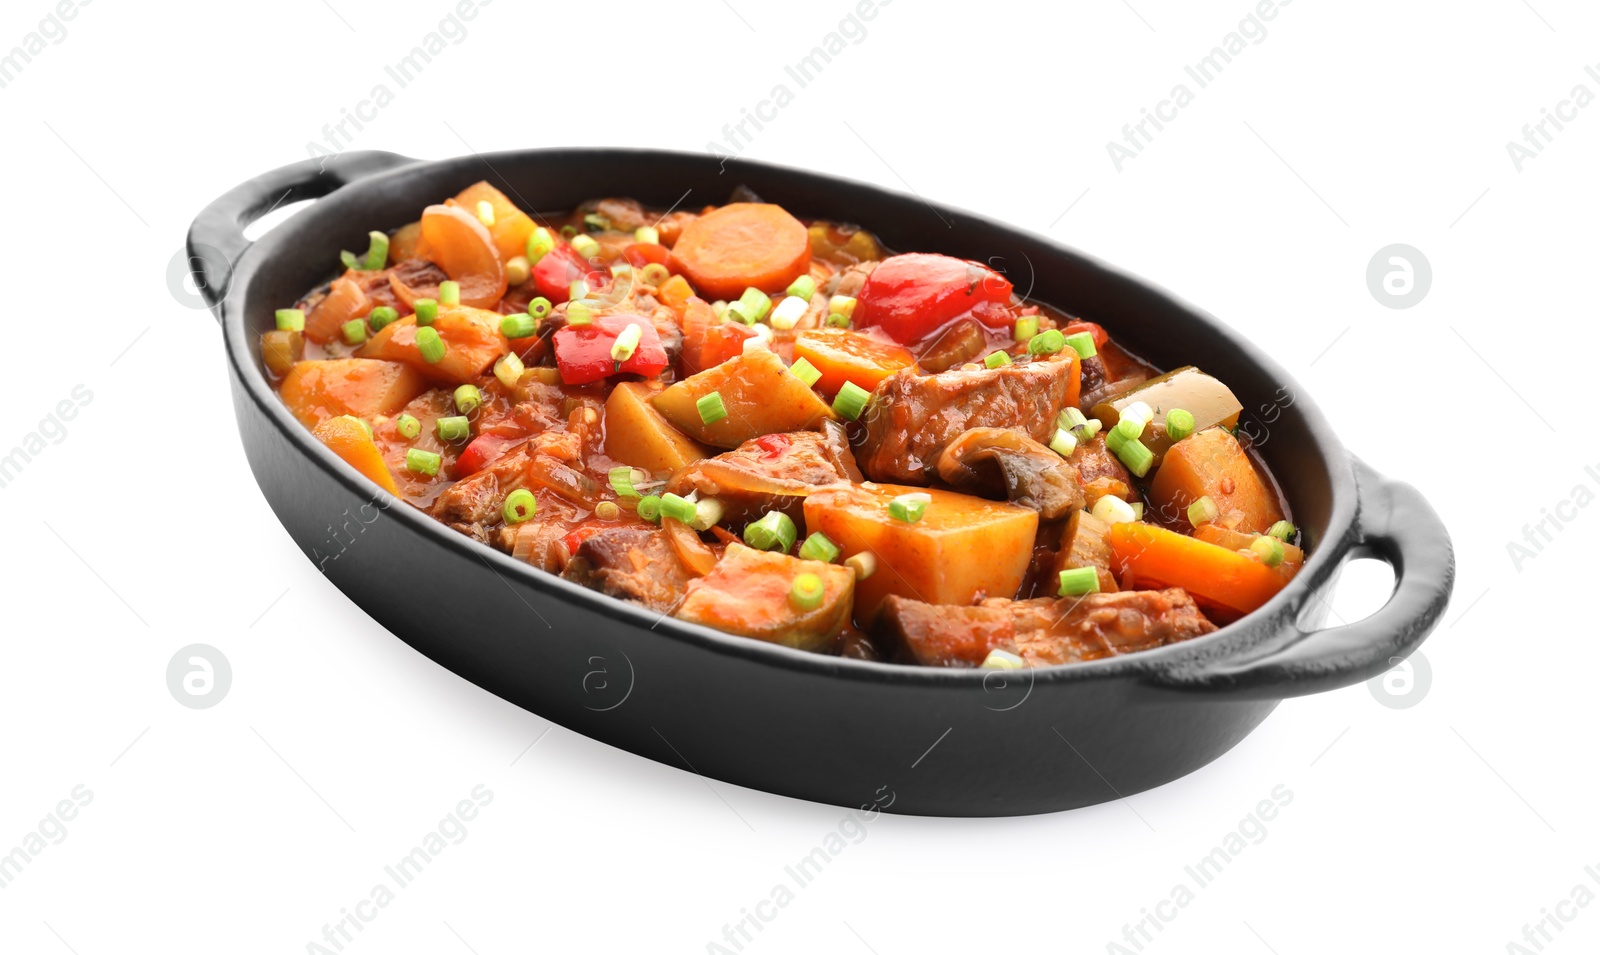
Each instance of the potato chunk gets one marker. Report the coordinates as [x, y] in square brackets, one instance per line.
[747, 593]
[1212, 464]
[471, 337]
[637, 434]
[318, 390]
[757, 391]
[963, 549]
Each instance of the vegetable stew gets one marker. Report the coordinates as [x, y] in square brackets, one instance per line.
[778, 428]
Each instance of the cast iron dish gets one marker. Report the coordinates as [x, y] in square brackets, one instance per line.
[854, 733]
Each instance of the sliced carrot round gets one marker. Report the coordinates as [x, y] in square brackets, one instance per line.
[457, 242]
[346, 437]
[742, 245]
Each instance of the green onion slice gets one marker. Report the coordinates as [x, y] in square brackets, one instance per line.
[586, 247]
[707, 513]
[1082, 343]
[1025, 328]
[1047, 342]
[1136, 457]
[654, 274]
[355, 331]
[805, 371]
[453, 428]
[819, 547]
[579, 313]
[1268, 549]
[842, 305]
[449, 293]
[803, 287]
[997, 359]
[430, 345]
[468, 399]
[377, 254]
[678, 508]
[909, 507]
[290, 320]
[486, 213]
[381, 316]
[1202, 511]
[775, 531]
[1063, 443]
[419, 461]
[650, 507]
[807, 592]
[627, 343]
[838, 320]
[518, 325]
[622, 478]
[427, 310]
[508, 369]
[1282, 530]
[520, 505]
[1113, 510]
[539, 307]
[756, 303]
[1002, 660]
[1180, 424]
[407, 427]
[647, 234]
[864, 564]
[1077, 581]
[539, 242]
[851, 400]
[607, 510]
[711, 408]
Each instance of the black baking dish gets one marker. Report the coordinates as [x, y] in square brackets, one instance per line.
[944, 742]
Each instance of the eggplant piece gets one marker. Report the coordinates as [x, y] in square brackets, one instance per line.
[1189, 388]
[1029, 473]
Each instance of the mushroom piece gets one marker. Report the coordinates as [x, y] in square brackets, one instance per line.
[1031, 474]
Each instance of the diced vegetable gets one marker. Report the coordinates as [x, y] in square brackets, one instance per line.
[290, 320]
[561, 267]
[1226, 582]
[350, 439]
[748, 593]
[422, 462]
[458, 243]
[1212, 464]
[759, 394]
[509, 227]
[963, 547]
[520, 505]
[637, 434]
[911, 296]
[774, 531]
[317, 390]
[741, 245]
[471, 337]
[344, 302]
[819, 547]
[707, 341]
[1077, 581]
[1282, 530]
[842, 355]
[376, 256]
[851, 400]
[1205, 401]
[280, 349]
[586, 355]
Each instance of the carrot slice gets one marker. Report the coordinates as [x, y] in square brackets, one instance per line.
[1225, 582]
[675, 293]
[346, 437]
[742, 245]
[457, 242]
[843, 355]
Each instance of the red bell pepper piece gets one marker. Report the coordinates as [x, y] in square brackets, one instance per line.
[914, 295]
[583, 353]
[641, 254]
[483, 451]
[556, 271]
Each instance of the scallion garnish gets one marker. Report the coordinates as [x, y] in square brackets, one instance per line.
[468, 399]
[775, 531]
[707, 514]
[678, 508]
[649, 507]
[355, 331]
[996, 359]
[711, 408]
[577, 290]
[1082, 343]
[1063, 443]
[579, 314]
[520, 505]
[1180, 424]
[449, 292]
[654, 274]
[851, 400]
[999, 659]
[803, 287]
[807, 591]
[819, 547]
[1047, 342]
[805, 371]
[842, 305]
[485, 212]
[1202, 511]
[1282, 530]
[290, 320]
[453, 428]
[607, 510]
[585, 246]
[627, 342]
[1025, 328]
[419, 461]
[647, 234]
[864, 564]
[427, 310]
[407, 427]
[539, 242]
[622, 478]
[595, 222]
[1077, 581]
[517, 270]
[756, 303]
[377, 254]
[508, 369]
[381, 316]
[1268, 549]
[838, 320]
[789, 312]
[909, 507]
[539, 308]
[518, 325]
[1113, 510]
[1136, 457]
[430, 345]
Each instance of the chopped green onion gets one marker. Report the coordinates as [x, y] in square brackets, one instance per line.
[586, 247]
[1115, 440]
[1137, 411]
[756, 303]
[468, 399]
[355, 331]
[711, 408]
[1025, 329]
[997, 359]
[517, 270]
[1136, 457]
[568, 231]
[518, 325]
[650, 507]
[1202, 511]
[736, 311]
[607, 510]
[381, 316]
[654, 274]
[1082, 343]
[1180, 424]
[1070, 419]
[449, 292]
[362, 422]
[539, 308]
[486, 213]
[805, 371]
[291, 320]
[647, 234]
[1002, 660]
[407, 427]
[1138, 510]
[707, 514]
[1128, 429]
[1269, 549]
[1047, 342]
[430, 345]
[453, 428]
[864, 564]
[1063, 443]
[819, 547]
[539, 242]
[1113, 510]
[627, 342]
[520, 505]
[621, 269]
[1077, 581]
[377, 254]
[838, 320]
[427, 310]
[851, 400]
[1282, 530]
[909, 507]
[842, 305]
[577, 289]
[419, 461]
[807, 592]
[579, 314]
[789, 312]
[775, 531]
[678, 508]
[509, 370]
[595, 222]
[803, 287]
[622, 478]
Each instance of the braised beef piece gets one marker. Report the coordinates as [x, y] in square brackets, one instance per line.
[1099, 471]
[772, 472]
[1043, 631]
[913, 416]
[1005, 462]
[633, 562]
[472, 504]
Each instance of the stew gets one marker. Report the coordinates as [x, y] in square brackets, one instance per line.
[777, 428]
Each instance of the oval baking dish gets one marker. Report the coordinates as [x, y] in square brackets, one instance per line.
[850, 732]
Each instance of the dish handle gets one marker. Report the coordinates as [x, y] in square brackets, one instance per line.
[216, 238]
[1395, 524]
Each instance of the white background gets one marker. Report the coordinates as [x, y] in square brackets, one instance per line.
[1445, 826]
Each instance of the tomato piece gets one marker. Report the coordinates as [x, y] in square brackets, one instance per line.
[911, 296]
[641, 254]
[583, 354]
[556, 271]
[707, 341]
[484, 450]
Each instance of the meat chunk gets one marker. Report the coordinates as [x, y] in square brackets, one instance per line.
[1043, 631]
[1099, 471]
[472, 505]
[633, 562]
[772, 472]
[913, 416]
[1027, 472]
